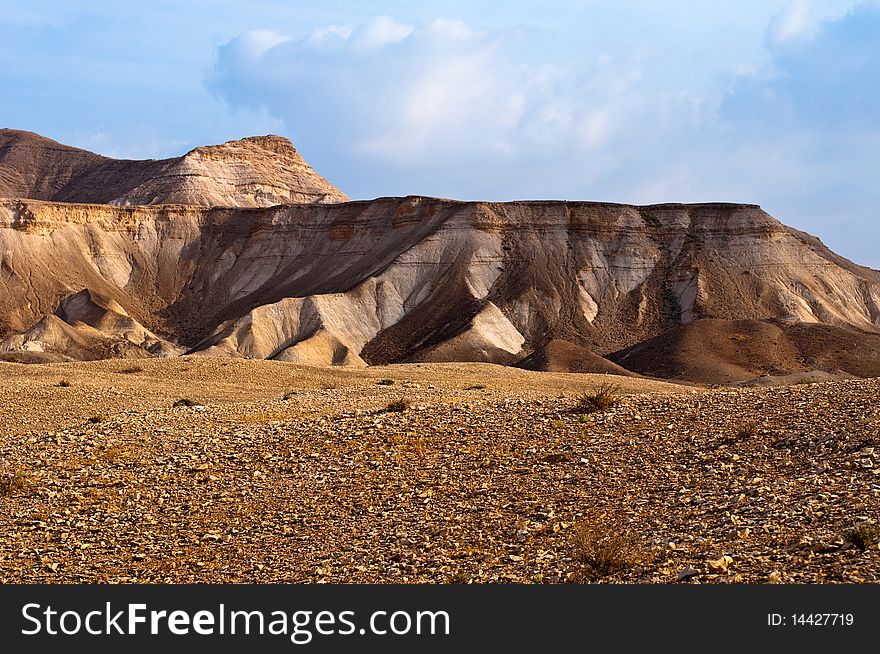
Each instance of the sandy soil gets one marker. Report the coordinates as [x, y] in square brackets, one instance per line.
[491, 474]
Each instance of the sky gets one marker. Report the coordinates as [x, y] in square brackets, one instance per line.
[775, 102]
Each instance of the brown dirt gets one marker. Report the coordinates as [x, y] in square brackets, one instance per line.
[257, 171]
[562, 356]
[731, 351]
[483, 479]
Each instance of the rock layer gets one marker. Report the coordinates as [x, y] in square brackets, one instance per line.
[259, 171]
[422, 279]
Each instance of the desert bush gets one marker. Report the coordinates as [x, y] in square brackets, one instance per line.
[96, 419]
[399, 406]
[743, 432]
[385, 382]
[650, 219]
[64, 383]
[288, 394]
[12, 483]
[863, 536]
[185, 402]
[116, 452]
[133, 370]
[476, 387]
[601, 399]
[603, 546]
[557, 424]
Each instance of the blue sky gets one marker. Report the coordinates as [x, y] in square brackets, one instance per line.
[774, 102]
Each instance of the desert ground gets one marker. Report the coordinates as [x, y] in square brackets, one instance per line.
[483, 473]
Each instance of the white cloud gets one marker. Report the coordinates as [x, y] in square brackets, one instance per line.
[453, 30]
[381, 31]
[796, 21]
[429, 96]
[257, 43]
[443, 108]
[329, 34]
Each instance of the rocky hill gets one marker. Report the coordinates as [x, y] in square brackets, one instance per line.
[253, 172]
[545, 285]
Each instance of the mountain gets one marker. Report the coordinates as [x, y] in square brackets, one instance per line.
[713, 293]
[254, 172]
[422, 279]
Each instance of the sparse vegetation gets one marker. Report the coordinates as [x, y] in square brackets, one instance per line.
[863, 536]
[650, 219]
[385, 382]
[739, 337]
[94, 420]
[520, 489]
[604, 397]
[12, 483]
[744, 432]
[185, 402]
[399, 406]
[133, 370]
[601, 547]
[116, 452]
[476, 387]
[64, 383]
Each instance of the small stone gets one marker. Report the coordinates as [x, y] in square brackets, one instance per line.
[686, 573]
[720, 565]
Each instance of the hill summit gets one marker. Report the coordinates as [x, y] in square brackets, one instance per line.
[259, 171]
[182, 256]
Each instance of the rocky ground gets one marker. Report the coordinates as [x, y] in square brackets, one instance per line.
[489, 475]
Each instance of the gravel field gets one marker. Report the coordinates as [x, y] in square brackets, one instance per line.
[490, 474]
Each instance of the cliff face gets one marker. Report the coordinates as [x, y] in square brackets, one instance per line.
[416, 279]
[241, 249]
[253, 172]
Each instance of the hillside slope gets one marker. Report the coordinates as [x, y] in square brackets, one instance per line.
[253, 172]
[422, 279]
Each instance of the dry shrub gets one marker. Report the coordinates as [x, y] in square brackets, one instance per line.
[12, 483]
[604, 397]
[603, 545]
[863, 536]
[116, 452]
[399, 406]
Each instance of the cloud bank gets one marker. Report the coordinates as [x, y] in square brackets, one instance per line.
[440, 107]
[444, 108]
